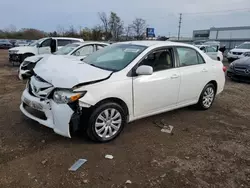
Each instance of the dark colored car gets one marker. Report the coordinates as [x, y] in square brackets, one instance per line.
[239, 70]
[4, 44]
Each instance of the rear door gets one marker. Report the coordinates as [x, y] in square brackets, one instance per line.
[195, 74]
[84, 51]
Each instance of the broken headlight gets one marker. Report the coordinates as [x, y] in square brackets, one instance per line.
[64, 96]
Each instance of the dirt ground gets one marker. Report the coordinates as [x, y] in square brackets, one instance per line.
[207, 148]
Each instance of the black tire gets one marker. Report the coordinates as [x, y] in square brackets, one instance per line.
[91, 132]
[200, 103]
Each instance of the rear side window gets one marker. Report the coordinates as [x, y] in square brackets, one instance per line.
[189, 56]
[211, 49]
[63, 42]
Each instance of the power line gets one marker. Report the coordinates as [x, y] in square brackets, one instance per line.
[179, 26]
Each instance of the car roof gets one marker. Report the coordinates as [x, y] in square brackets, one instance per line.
[90, 42]
[67, 38]
[155, 43]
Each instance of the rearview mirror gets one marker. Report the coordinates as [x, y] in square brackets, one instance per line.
[144, 70]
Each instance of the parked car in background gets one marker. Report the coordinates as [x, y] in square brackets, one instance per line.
[238, 51]
[121, 83]
[239, 70]
[21, 43]
[78, 50]
[5, 44]
[41, 46]
[211, 51]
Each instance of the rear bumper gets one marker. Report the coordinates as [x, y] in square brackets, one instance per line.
[55, 116]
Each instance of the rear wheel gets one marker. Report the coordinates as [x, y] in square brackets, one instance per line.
[207, 97]
[106, 122]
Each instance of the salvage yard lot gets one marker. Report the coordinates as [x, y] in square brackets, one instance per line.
[207, 148]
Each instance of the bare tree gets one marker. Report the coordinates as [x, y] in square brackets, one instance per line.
[128, 31]
[139, 27]
[60, 30]
[105, 22]
[115, 26]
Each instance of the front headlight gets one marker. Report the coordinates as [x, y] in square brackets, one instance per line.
[247, 54]
[64, 96]
[13, 51]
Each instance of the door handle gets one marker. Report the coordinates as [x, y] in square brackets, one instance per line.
[174, 76]
[204, 70]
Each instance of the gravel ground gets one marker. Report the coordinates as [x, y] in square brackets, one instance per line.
[207, 148]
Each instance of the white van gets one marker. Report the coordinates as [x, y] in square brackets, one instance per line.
[42, 46]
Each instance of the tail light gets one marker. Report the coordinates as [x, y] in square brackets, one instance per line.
[224, 69]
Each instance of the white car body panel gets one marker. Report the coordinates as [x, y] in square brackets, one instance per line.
[170, 89]
[43, 50]
[33, 59]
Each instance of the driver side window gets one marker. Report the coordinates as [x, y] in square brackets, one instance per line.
[160, 59]
[46, 43]
[84, 51]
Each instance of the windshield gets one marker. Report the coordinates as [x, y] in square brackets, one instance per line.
[36, 42]
[114, 57]
[66, 49]
[244, 46]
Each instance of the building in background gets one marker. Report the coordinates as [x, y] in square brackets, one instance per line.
[228, 36]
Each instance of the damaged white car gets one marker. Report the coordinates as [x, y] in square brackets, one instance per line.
[119, 84]
[78, 50]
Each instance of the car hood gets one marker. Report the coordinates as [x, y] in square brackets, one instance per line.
[243, 62]
[239, 50]
[22, 48]
[65, 72]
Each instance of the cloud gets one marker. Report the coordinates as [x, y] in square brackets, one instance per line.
[161, 14]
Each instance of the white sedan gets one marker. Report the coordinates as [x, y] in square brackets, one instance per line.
[78, 50]
[212, 51]
[118, 84]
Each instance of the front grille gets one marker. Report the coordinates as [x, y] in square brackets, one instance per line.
[34, 112]
[237, 53]
[240, 69]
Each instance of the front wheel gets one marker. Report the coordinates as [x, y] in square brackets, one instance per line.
[207, 97]
[106, 122]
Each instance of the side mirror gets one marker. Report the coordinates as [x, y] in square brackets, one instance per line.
[144, 70]
[38, 45]
[217, 48]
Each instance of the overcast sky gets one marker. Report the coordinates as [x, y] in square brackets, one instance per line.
[163, 15]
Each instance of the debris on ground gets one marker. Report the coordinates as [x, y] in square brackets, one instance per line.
[160, 124]
[85, 181]
[163, 175]
[44, 161]
[128, 182]
[77, 164]
[109, 156]
[43, 141]
[167, 129]
[187, 157]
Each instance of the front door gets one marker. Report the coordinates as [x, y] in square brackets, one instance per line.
[194, 75]
[44, 47]
[159, 91]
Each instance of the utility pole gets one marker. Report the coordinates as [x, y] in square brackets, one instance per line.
[179, 26]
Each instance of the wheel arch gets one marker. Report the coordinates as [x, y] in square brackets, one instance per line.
[214, 83]
[116, 100]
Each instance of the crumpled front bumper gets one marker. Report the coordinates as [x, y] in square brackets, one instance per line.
[57, 116]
